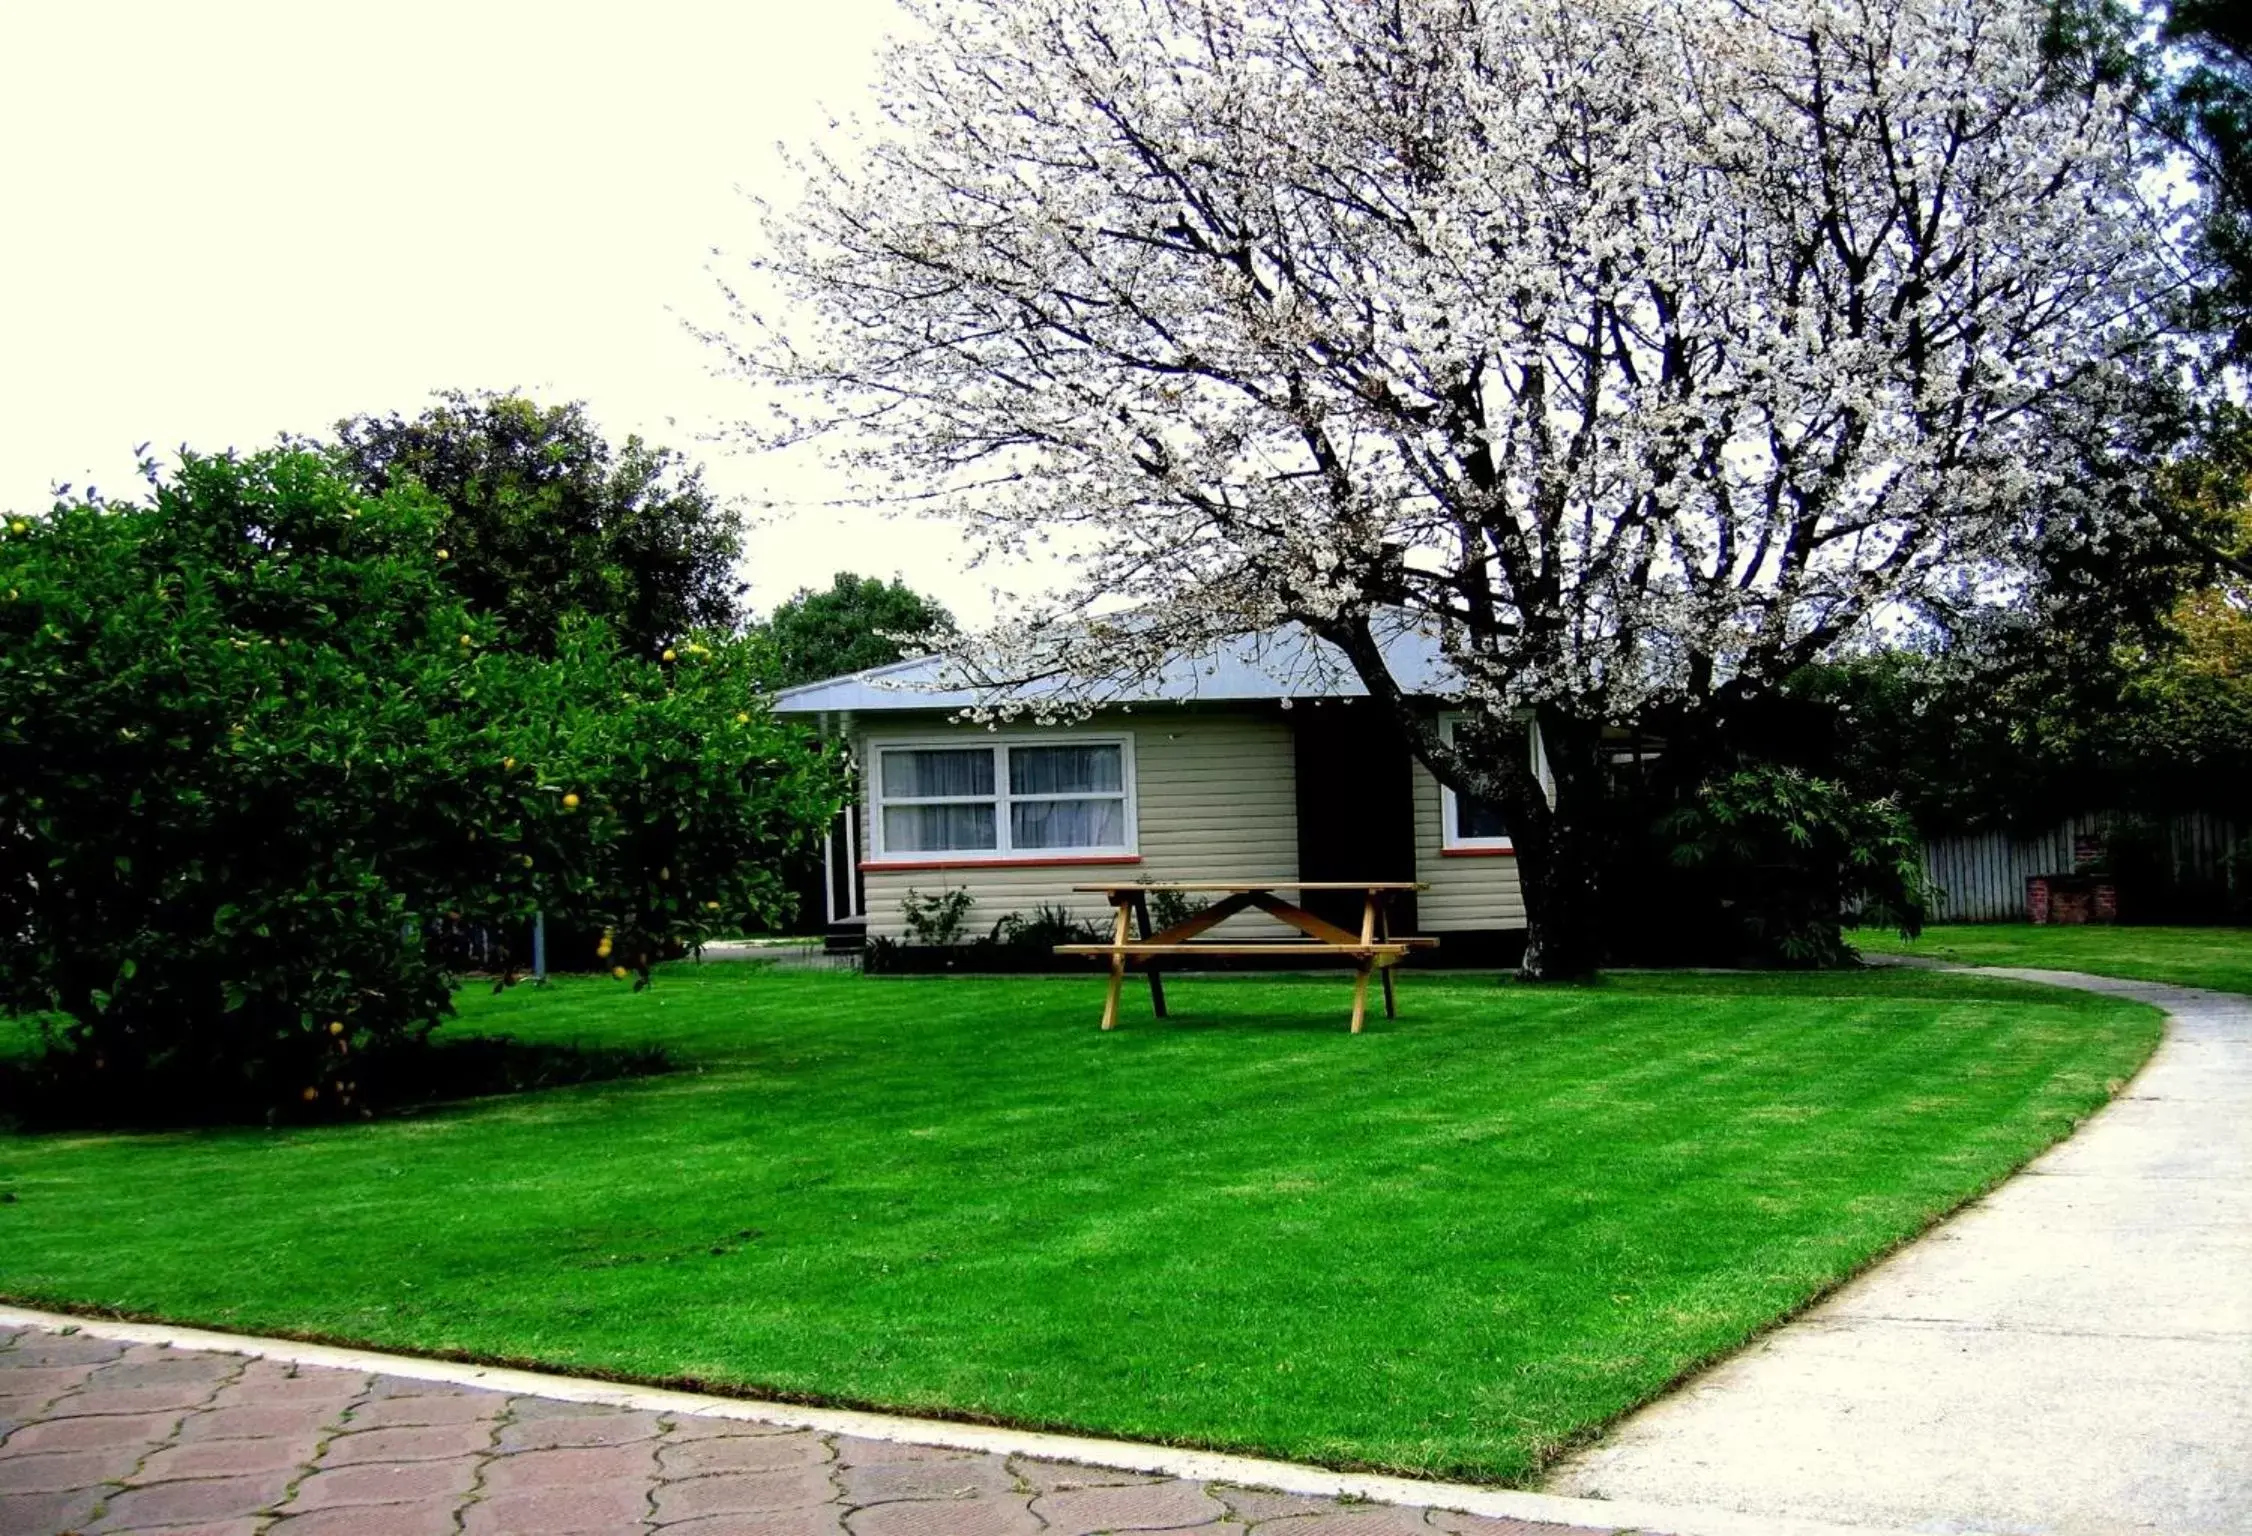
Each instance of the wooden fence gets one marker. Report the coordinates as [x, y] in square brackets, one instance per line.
[2180, 869]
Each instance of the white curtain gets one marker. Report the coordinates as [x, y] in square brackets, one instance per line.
[1067, 823]
[1082, 770]
[938, 828]
[938, 773]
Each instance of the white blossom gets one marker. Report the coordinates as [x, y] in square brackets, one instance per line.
[1627, 345]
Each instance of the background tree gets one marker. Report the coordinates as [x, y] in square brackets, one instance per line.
[2188, 66]
[858, 622]
[253, 745]
[544, 520]
[1642, 354]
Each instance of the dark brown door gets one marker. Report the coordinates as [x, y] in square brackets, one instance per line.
[1356, 806]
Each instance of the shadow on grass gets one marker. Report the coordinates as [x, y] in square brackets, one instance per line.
[60, 1092]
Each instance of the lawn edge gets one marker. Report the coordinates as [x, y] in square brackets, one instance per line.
[999, 1439]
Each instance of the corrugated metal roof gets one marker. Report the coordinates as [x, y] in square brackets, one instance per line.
[1285, 663]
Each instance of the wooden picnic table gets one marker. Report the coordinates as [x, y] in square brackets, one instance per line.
[1373, 949]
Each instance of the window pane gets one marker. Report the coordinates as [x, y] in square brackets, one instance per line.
[933, 773]
[1066, 770]
[1477, 818]
[1067, 824]
[938, 828]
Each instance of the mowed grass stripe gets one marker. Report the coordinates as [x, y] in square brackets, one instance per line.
[1452, 1246]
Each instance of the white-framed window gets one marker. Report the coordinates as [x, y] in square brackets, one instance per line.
[1466, 823]
[1007, 797]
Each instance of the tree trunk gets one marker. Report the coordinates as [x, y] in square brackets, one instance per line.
[1560, 857]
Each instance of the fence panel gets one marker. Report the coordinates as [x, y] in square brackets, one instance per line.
[1981, 876]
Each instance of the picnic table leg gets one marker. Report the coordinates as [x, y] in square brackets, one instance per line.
[1384, 930]
[1117, 968]
[1360, 996]
[1360, 982]
[1156, 982]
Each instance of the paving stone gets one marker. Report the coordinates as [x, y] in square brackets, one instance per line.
[577, 1467]
[1134, 1507]
[22, 1410]
[437, 1442]
[97, 1399]
[735, 1493]
[1257, 1504]
[705, 1427]
[61, 1471]
[523, 1407]
[1359, 1520]
[987, 1475]
[271, 1388]
[288, 1376]
[229, 1458]
[609, 1426]
[1490, 1525]
[431, 1519]
[808, 1520]
[128, 1429]
[744, 1453]
[43, 1382]
[47, 1514]
[446, 1408]
[1049, 1476]
[249, 1527]
[152, 1365]
[61, 1349]
[408, 1386]
[561, 1511]
[387, 1482]
[203, 1498]
[965, 1517]
[855, 1452]
[245, 1421]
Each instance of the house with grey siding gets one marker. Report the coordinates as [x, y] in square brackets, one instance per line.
[1262, 760]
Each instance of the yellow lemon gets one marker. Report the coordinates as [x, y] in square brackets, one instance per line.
[618, 971]
[19, 526]
[508, 762]
[742, 718]
[570, 802]
[310, 1094]
[464, 639]
[336, 1026]
[670, 655]
[443, 555]
[711, 906]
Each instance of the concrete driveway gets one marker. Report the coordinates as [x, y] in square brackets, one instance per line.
[2071, 1354]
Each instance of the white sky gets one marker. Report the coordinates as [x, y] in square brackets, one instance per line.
[226, 219]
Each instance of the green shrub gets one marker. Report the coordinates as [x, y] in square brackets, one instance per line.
[1786, 855]
[251, 744]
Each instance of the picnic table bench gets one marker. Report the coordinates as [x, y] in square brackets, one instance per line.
[1373, 949]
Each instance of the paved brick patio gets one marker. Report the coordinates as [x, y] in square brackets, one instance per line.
[106, 1437]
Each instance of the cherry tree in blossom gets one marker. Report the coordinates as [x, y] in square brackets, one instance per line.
[1639, 351]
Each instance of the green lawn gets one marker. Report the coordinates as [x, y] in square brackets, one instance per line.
[2220, 958]
[1452, 1246]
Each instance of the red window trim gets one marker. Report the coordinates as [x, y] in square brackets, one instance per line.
[1063, 863]
[1477, 853]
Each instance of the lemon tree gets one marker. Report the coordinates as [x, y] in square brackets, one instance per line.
[253, 748]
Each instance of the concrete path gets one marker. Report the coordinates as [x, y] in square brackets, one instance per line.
[2071, 1354]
